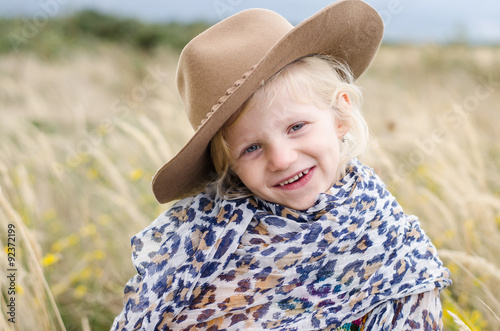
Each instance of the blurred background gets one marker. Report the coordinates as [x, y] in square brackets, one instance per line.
[406, 20]
[89, 111]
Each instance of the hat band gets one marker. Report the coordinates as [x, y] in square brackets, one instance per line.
[226, 95]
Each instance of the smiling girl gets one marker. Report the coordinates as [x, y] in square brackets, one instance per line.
[280, 226]
[284, 144]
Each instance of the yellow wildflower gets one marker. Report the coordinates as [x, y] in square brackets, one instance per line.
[136, 174]
[57, 247]
[449, 234]
[477, 320]
[49, 260]
[80, 291]
[74, 277]
[19, 289]
[85, 273]
[99, 255]
[64, 243]
[453, 267]
[92, 173]
[73, 240]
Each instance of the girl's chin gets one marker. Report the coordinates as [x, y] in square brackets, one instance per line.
[302, 204]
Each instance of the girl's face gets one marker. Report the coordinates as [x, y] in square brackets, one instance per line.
[287, 153]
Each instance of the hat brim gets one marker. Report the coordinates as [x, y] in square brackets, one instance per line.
[349, 30]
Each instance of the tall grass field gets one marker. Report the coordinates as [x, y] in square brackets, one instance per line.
[82, 133]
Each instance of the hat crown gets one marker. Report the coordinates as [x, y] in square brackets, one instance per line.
[213, 61]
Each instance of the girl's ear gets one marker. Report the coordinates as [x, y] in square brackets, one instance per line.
[344, 107]
[346, 98]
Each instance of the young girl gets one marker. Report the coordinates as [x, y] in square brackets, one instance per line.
[282, 227]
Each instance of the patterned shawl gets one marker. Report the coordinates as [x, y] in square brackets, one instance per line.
[216, 264]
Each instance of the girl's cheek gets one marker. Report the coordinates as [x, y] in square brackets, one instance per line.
[242, 168]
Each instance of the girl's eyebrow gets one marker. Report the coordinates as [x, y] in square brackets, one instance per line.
[290, 118]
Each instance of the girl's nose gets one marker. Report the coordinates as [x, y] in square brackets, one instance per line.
[280, 157]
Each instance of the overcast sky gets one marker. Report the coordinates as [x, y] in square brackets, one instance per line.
[405, 20]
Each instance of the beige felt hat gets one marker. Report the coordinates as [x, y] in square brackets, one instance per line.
[223, 66]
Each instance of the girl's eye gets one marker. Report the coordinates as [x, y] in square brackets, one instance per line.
[251, 149]
[296, 127]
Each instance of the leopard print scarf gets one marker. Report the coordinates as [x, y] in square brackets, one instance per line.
[216, 264]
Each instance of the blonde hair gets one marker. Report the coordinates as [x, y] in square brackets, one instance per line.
[320, 79]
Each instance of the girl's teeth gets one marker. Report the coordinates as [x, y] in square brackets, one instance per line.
[291, 180]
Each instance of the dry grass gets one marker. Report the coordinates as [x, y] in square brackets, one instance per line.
[80, 138]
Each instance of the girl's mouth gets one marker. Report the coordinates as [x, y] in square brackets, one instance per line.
[296, 181]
